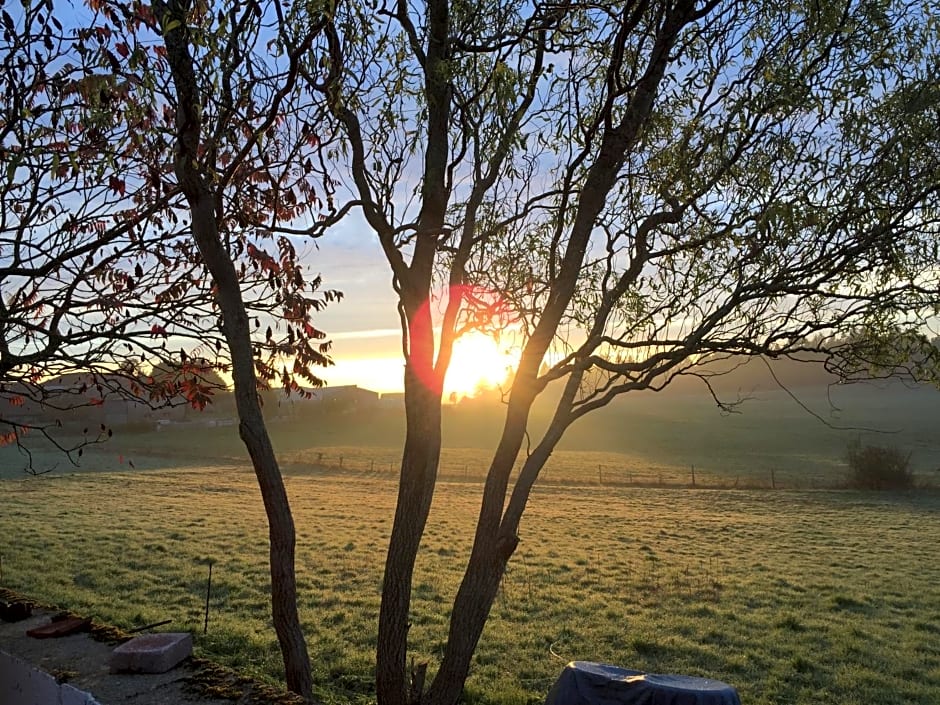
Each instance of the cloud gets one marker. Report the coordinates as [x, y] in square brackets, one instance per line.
[364, 334]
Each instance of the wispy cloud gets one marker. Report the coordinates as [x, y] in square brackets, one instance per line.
[363, 334]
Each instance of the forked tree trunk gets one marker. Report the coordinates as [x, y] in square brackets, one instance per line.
[419, 466]
[496, 536]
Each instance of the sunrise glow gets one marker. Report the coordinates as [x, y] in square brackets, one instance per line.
[479, 362]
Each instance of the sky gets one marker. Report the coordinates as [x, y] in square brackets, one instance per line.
[364, 324]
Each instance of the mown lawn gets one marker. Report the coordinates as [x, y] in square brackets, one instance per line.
[796, 597]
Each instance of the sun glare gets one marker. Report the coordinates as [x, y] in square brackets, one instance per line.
[479, 362]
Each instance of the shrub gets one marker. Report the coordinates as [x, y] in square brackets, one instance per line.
[879, 467]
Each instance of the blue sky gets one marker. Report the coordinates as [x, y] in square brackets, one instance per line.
[364, 324]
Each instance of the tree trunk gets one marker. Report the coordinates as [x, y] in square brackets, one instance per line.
[282, 541]
[254, 434]
[472, 606]
[196, 186]
[419, 466]
[495, 542]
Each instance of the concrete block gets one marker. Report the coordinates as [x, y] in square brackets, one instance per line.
[152, 653]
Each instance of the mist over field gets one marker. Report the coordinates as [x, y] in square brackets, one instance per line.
[794, 435]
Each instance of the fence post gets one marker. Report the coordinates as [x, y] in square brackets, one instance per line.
[205, 626]
[693, 474]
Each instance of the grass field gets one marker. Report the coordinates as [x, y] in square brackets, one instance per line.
[796, 597]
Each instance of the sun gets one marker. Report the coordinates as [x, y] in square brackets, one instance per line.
[478, 362]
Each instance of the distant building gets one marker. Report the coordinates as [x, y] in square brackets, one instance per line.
[341, 399]
[87, 397]
[393, 400]
[100, 398]
[346, 394]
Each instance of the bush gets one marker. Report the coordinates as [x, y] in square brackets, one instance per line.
[879, 467]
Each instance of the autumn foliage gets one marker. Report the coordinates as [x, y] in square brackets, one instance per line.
[99, 272]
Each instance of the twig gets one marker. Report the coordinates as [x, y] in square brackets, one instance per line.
[149, 626]
[813, 413]
[205, 627]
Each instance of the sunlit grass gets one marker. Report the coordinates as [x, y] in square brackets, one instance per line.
[794, 597]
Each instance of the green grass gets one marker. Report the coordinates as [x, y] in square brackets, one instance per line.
[792, 596]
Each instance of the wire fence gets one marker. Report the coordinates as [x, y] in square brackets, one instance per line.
[571, 468]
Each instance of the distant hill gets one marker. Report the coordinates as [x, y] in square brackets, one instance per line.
[755, 374]
[799, 433]
[801, 430]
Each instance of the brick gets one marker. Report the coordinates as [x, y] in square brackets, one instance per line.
[62, 627]
[152, 653]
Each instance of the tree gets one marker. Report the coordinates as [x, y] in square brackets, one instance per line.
[127, 275]
[94, 272]
[642, 186]
[228, 107]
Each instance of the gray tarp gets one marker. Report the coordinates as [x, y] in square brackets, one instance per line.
[586, 683]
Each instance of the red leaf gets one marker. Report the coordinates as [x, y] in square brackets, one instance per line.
[116, 184]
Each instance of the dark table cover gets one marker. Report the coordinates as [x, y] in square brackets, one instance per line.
[586, 683]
